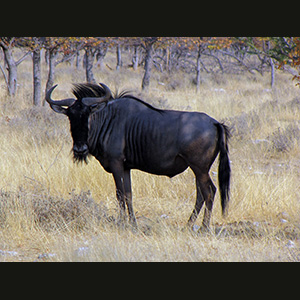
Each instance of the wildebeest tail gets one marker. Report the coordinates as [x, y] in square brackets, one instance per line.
[224, 166]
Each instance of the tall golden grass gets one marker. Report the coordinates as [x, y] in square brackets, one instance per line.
[52, 209]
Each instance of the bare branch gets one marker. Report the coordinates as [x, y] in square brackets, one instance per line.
[217, 58]
[238, 59]
[6, 42]
[22, 58]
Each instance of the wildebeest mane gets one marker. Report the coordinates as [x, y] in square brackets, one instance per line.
[126, 94]
[82, 90]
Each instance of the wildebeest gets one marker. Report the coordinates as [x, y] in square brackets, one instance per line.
[124, 133]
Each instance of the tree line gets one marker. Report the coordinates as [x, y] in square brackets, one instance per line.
[166, 54]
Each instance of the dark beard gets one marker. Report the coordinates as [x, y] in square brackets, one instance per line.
[80, 158]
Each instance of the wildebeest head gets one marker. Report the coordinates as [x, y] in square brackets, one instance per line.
[90, 98]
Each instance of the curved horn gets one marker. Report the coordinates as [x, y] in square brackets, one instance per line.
[97, 100]
[65, 102]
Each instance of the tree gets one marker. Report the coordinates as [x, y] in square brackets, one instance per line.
[91, 46]
[100, 54]
[35, 45]
[119, 57]
[36, 62]
[280, 51]
[89, 61]
[53, 52]
[148, 44]
[286, 50]
[200, 50]
[135, 57]
[60, 49]
[266, 47]
[7, 44]
[54, 46]
[202, 45]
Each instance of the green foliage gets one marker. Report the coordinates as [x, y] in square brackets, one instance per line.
[284, 50]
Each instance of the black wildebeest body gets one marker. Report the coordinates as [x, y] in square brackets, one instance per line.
[126, 133]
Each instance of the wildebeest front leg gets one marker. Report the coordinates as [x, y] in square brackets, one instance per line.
[118, 174]
[123, 190]
[128, 198]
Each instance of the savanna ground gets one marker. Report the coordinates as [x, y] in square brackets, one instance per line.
[54, 210]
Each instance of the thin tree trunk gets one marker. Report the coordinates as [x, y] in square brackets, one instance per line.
[272, 72]
[119, 57]
[51, 73]
[198, 75]
[77, 59]
[148, 65]
[10, 64]
[268, 46]
[12, 71]
[168, 60]
[36, 59]
[135, 58]
[89, 60]
[100, 54]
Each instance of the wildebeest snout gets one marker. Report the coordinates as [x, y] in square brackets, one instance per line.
[80, 148]
[80, 152]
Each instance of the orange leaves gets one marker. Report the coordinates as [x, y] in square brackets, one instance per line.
[193, 43]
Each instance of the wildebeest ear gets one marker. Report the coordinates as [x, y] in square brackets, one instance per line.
[59, 109]
[97, 107]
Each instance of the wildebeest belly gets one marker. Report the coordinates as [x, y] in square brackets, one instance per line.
[167, 167]
[154, 150]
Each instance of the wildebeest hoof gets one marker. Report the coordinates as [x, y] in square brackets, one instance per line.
[203, 230]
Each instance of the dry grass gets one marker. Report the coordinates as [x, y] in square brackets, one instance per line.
[53, 210]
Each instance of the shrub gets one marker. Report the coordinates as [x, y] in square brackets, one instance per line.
[283, 140]
[51, 213]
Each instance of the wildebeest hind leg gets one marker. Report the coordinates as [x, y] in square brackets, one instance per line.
[211, 191]
[205, 193]
[198, 204]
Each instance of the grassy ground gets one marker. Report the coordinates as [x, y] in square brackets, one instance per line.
[53, 210]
